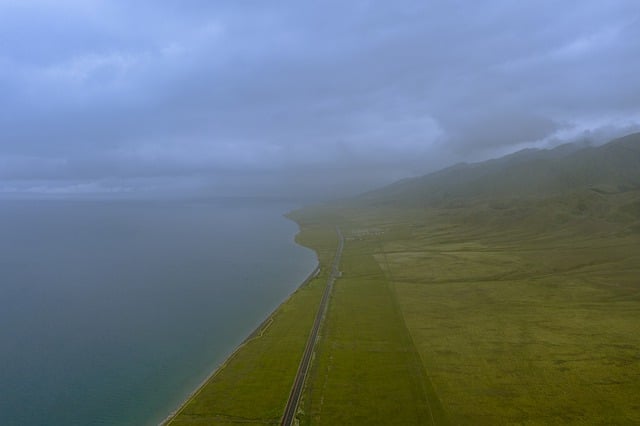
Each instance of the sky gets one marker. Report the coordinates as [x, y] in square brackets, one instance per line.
[325, 98]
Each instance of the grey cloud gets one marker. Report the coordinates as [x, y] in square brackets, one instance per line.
[367, 91]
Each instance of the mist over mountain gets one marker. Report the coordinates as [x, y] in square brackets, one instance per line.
[610, 168]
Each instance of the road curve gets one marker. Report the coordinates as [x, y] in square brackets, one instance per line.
[296, 390]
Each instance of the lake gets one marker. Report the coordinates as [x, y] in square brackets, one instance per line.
[112, 312]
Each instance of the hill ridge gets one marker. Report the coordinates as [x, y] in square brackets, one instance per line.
[612, 167]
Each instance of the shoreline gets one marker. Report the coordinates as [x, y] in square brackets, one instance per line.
[257, 332]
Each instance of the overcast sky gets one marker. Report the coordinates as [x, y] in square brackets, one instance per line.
[284, 96]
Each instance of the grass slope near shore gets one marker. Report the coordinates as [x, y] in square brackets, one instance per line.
[502, 311]
[254, 383]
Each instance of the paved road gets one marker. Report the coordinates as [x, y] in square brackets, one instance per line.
[296, 390]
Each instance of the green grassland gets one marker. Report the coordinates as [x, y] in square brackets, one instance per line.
[366, 370]
[522, 311]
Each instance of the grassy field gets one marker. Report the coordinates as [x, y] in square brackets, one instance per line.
[254, 384]
[522, 312]
[366, 369]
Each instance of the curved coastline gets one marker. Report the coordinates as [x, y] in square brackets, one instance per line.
[257, 332]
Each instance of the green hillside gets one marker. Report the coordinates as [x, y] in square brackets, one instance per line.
[611, 168]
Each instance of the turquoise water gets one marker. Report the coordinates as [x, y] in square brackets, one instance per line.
[112, 312]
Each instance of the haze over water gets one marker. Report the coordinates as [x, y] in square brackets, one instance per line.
[112, 312]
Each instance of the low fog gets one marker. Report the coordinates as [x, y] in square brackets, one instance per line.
[293, 99]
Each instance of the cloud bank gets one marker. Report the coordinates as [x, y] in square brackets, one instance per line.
[285, 96]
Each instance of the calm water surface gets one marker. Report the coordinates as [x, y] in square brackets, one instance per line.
[112, 312]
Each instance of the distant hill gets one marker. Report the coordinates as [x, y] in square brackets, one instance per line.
[610, 168]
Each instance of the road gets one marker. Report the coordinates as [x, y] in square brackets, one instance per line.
[298, 384]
